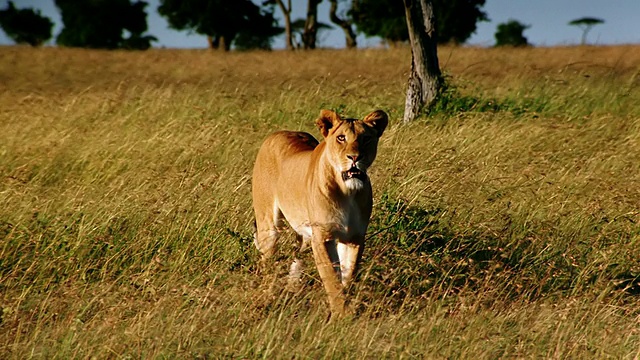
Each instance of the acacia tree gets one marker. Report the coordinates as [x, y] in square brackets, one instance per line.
[345, 25]
[586, 24]
[510, 34]
[223, 22]
[425, 79]
[457, 19]
[25, 26]
[101, 24]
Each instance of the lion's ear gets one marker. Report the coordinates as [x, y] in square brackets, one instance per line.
[326, 121]
[377, 120]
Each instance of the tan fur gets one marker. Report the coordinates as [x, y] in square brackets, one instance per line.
[315, 187]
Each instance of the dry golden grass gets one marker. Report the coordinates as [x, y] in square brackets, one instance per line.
[510, 230]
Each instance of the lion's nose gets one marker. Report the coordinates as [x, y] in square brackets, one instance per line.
[353, 158]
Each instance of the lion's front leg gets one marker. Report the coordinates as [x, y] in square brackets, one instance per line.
[349, 256]
[330, 280]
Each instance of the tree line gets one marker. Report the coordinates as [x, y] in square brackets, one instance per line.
[247, 24]
[239, 24]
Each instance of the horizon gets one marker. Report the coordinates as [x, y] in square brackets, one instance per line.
[548, 21]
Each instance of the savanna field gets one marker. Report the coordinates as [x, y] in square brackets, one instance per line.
[505, 223]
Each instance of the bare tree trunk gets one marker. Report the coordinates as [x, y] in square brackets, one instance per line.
[311, 25]
[218, 42]
[349, 34]
[585, 31]
[224, 43]
[425, 79]
[286, 12]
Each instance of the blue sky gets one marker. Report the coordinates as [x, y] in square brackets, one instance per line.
[548, 20]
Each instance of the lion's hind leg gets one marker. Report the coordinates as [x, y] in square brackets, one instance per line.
[294, 281]
[268, 225]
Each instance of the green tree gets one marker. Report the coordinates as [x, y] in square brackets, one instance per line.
[224, 22]
[25, 26]
[586, 24]
[510, 34]
[457, 19]
[101, 24]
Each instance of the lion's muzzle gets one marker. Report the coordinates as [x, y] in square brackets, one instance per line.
[354, 173]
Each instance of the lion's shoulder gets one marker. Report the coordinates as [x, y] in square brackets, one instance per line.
[292, 141]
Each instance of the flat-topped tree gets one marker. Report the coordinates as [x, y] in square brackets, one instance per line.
[586, 24]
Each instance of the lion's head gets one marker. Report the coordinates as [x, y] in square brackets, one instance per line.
[352, 144]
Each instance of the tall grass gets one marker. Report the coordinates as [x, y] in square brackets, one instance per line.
[505, 223]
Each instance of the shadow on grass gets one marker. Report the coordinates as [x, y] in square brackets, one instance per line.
[628, 282]
[450, 101]
[414, 253]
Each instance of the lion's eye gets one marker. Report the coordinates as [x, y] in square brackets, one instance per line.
[341, 138]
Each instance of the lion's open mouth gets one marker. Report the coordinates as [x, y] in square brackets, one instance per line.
[354, 173]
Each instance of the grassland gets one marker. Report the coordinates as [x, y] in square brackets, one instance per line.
[506, 223]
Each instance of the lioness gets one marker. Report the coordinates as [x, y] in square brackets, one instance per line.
[323, 191]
